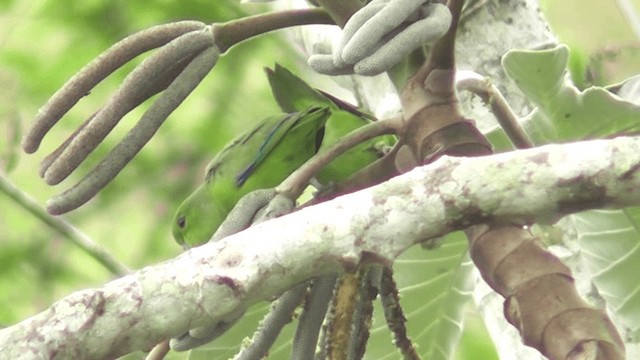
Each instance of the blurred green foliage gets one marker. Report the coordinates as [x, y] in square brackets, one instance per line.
[604, 48]
[43, 44]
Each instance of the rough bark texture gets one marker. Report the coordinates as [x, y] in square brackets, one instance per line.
[373, 225]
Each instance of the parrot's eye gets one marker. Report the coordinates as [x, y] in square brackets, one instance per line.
[182, 221]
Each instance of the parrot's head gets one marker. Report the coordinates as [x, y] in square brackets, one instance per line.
[197, 219]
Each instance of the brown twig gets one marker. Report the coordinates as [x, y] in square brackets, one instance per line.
[295, 184]
[233, 32]
[340, 10]
[490, 94]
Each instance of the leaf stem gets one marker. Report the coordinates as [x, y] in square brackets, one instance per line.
[235, 31]
[442, 53]
[490, 94]
[270, 327]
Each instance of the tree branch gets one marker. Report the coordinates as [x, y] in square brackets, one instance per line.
[218, 280]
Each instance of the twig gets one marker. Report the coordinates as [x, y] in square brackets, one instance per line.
[69, 232]
[490, 94]
[340, 10]
[233, 32]
[298, 180]
[441, 54]
[267, 332]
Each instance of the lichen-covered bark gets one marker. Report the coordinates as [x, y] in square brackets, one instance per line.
[373, 225]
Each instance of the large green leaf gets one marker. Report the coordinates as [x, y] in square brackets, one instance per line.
[609, 242]
[564, 113]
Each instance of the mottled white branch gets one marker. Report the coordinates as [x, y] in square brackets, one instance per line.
[214, 282]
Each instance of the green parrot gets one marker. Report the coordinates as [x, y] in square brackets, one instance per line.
[261, 158]
[293, 94]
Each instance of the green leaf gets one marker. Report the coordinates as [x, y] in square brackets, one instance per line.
[609, 242]
[564, 113]
[434, 286]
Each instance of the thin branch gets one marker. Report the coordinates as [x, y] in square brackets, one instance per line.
[70, 233]
[442, 53]
[489, 93]
[223, 278]
[340, 10]
[280, 314]
[235, 31]
[295, 184]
